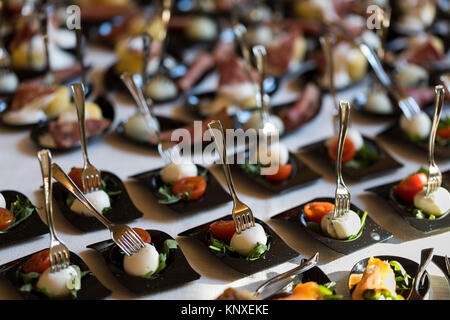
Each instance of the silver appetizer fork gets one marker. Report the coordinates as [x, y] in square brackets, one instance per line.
[49, 78]
[124, 236]
[168, 150]
[342, 194]
[242, 215]
[59, 253]
[408, 105]
[425, 257]
[90, 176]
[434, 174]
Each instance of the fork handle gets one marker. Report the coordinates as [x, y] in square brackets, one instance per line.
[80, 50]
[165, 17]
[260, 53]
[62, 178]
[440, 91]
[344, 113]
[45, 160]
[146, 43]
[216, 127]
[425, 257]
[240, 31]
[78, 96]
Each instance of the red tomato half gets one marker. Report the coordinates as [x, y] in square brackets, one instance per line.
[315, 211]
[283, 173]
[145, 236]
[75, 175]
[196, 186]
[223, 229]
[409, 187]
[39, 262]
[6, 218]
[347, 154]
[444, 133]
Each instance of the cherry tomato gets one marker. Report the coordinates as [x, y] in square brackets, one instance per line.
[223, 229]
[6, 218]
[75, 175]
[315, 211]
[195, 186]
[347, 154]
[444, 133]
[409, 187]
[145, 236]
[39, 262]
[283, 173]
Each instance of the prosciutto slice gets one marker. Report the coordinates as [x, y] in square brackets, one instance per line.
[232, 71]
[66, 134]
[281, 51]
[303, 110]
[203, 62]
[424, 55]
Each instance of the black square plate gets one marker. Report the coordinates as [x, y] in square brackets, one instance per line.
[91, 288]
[372, 233]
[165, 124]
[32, 227]
[214, 195]
[301, 176]
[42, 128]
[177, 272]
[318, 151]
[278, 253]
[386, 192]
[395, 133]
[123, 208]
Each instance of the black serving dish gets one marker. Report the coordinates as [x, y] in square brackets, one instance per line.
[123, 208]
[214, 195]
[91, 288]
[30, 228]
[42, 128]
[177, 272]
[409, 266]
[395, 133]
[5, 102]
[371, 234]
[112, 81]
[278, 253]
[439, 261]
[165, 124]
[319, 153]
[301, 176]
[386, 192]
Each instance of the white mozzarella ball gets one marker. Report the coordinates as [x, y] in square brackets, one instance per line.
[9, 82]
[143, 262]
[58, 283]
[341, 227]
[438, 203]
[174, 172]
[247, 240]
[277, 154]
[201, 28]
[2, 201]
[137, 128]
[255, 122]
[237, 92]
[260, 35]
[99, 199]
[161, 88]
[25, 116]
[352, 134]
[411, 75]
[379, 102]
[418, 126]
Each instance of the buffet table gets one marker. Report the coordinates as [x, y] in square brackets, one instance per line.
[19, 170]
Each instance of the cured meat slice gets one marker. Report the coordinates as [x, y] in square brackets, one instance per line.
[66, 134]
[232, 71]
[280, 52]
[203, 62]
[425, 54]
[96, 13]
[303, 110]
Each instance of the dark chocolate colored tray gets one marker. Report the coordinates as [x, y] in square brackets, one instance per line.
[214, 195]
[91, 287]
[278, 253]
[385, 163]
[123, 208]
[371, 234]
[425, 225]
[177, 272]
[30, 228]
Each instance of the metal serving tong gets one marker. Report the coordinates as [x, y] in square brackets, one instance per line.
[242, 214]
[59, 253]
[124, 236]
[434, 174]
[425, 257]
[285, 280]
[342, 194]
[168, 150]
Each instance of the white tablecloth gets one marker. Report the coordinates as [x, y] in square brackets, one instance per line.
[19, 170]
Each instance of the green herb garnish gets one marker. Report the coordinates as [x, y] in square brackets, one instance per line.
[21, 211]
[363, 158]
[169, 197]
[168, 245]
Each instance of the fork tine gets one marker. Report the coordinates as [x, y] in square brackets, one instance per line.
[133, 244]
[123, 246]
[137, 239]
[236, 225]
